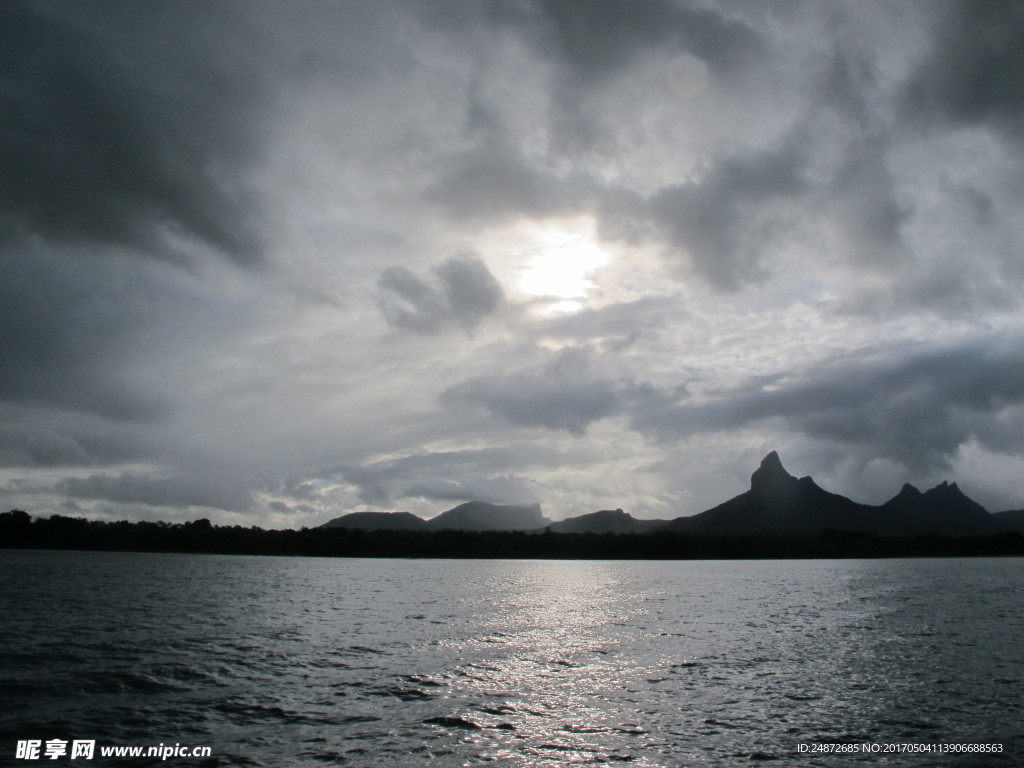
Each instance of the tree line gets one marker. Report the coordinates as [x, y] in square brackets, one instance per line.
[19, 530]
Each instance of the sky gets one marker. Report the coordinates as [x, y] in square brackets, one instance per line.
[269, 263]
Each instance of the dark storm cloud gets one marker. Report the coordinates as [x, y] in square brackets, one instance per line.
[159, 492]
[38, 435]
[68, 327]
[463, 292]
[128, 124]
[972, 71]
[917, 410]
[725, 220]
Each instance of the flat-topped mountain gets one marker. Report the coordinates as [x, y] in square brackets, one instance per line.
[378, 521]
[480, 516]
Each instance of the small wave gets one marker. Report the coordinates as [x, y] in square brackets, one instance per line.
[583, 729]
[361, 649]
[552, 745]
[423, 680]
[452, 722]
[502, 710]
[130, 683]
[359, 719]
[401, 693]
[632, 730]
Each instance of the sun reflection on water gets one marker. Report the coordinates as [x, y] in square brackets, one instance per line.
[550, 677]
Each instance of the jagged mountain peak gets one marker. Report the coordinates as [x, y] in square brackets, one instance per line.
[947, 490]
[909, 490]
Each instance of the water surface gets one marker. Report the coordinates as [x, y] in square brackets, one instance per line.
[308, 661]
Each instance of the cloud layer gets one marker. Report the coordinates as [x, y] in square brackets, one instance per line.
[273, 263]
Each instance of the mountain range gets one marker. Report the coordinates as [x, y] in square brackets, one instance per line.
[777, 503]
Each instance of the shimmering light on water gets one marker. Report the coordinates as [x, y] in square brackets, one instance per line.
[282, 662]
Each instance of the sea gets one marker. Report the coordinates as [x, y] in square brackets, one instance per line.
[276, 661]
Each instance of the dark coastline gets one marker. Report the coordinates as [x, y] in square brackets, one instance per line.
[19, 531]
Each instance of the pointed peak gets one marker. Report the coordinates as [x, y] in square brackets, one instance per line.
[909, 490]
[771, 474]
[771, 466]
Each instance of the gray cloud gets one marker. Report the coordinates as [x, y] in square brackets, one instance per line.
[560, 394]
[918, 409]
[215, 493]
[865, 208]
[463, 293]
[492, 181]
[597, 40]
[482, 475]
[725, 220]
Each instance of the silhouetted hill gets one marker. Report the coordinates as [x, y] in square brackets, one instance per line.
[471, 516]
[605, 521]
[779, 503]
[943, 509]
[480, 516]
[378, 521]
[1010, 520]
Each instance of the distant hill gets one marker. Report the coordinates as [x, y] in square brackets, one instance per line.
[378, 521]
[1011, 520]
[778, 503]
[944, 509]
[471, 516]
[480, 516]
[605, 521]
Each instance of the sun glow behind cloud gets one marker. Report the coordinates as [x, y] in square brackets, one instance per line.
[561, 258]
